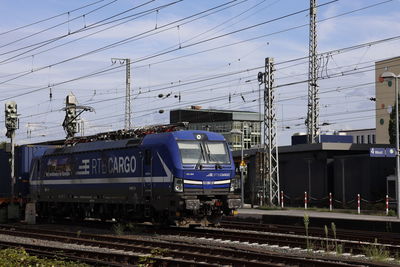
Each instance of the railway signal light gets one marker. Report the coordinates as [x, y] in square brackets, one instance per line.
[11, 117]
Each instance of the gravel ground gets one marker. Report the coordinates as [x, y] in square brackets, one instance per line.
[54, 244]
[265, 248]
[209, 242]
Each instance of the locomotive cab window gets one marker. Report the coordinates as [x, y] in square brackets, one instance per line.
[191, 152]
[217, 152]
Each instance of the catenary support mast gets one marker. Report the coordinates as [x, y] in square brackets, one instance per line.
[128, 111]
[271, 165]
[313, 91]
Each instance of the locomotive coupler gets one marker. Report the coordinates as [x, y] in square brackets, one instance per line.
[234, 203]
[192, 204]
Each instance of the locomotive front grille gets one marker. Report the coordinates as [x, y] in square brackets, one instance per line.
[193, 191]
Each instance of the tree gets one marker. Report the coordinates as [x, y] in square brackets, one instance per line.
[392, 126]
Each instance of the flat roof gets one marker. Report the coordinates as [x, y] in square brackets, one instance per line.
[391, 58]
[212, 115]
[216, 110]
[357, 130]
[317, 147]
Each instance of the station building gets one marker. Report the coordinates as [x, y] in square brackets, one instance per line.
[343, 169]
[361, 136]
[232, 124]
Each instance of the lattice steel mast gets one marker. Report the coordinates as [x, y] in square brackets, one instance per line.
[127, 61]
[271, 173]
[313, 91]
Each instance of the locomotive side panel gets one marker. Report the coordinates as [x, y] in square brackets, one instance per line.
[102, 176]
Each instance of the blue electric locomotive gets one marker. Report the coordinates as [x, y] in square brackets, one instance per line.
[183, 177]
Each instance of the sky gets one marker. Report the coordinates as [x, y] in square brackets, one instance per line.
[188, 52]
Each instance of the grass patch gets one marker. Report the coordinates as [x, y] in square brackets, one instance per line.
[118, 229]
[376, 252]
[19, 257]
[145, 261]
[306, 221]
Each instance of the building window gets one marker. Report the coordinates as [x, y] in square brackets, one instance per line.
[368, 139]
[358, 139]
[373, 139]
[362, 139]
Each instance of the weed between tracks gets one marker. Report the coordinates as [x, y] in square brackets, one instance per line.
[376, 252]
[306, 220]
[120, 228]
[19, 257]
[145, 261]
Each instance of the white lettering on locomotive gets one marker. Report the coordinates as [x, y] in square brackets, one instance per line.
[84, 168]
[112, 165]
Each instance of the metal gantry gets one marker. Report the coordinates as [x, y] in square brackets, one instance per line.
[313, 91]
[271, 165]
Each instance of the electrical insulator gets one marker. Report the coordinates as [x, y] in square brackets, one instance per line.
[70, 121]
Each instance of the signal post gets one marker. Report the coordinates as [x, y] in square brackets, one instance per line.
[11, 121]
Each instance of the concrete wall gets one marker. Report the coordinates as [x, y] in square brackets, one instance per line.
[361, 175]
[321, 172]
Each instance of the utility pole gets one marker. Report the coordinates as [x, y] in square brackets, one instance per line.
[313, 91]
[271, 169]
[11, 121]
[127, 62]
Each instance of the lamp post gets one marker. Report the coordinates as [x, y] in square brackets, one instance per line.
[388, 76]
[241, 167]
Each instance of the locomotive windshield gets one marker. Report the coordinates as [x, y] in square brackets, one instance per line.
[217, 152]
[197, 152]
[191, 152]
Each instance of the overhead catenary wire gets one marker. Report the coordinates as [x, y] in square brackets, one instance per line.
[94, 25]
[216, 99]
[322, 92]
[116, 43]
[363, 8]
[247, 92]
[57, 25]
[49, 18]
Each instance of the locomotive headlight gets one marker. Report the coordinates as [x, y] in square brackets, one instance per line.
[178, 184]
[232, 187]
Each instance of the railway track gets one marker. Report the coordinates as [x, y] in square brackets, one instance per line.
[122, 251]
[285, 240]
[362, 236]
